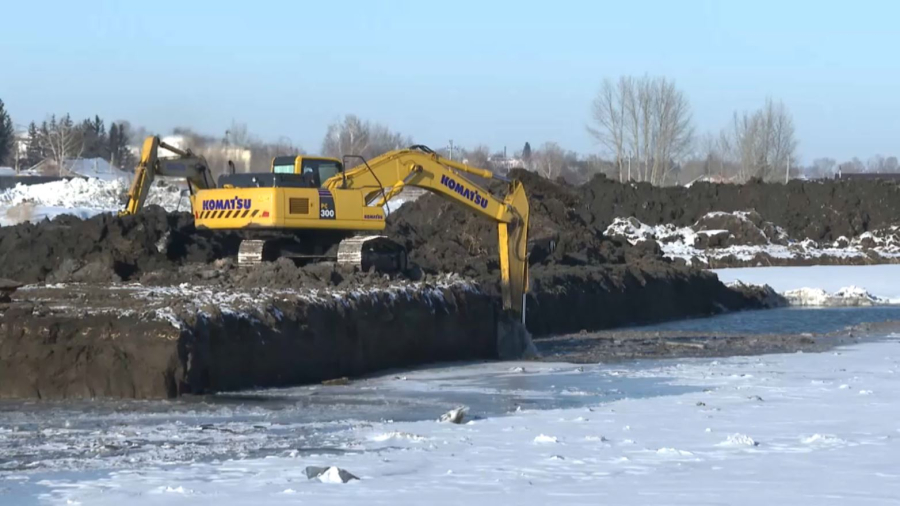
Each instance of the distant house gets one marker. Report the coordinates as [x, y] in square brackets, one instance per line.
[507, 164]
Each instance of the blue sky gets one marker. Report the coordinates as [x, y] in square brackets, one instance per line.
[497, 73]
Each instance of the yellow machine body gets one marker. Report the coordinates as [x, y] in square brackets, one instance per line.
[307, 208]
[309, 193]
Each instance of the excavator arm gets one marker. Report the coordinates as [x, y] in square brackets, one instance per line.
[186, 165]
[384, 177]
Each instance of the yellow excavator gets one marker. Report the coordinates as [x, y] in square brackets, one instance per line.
[311, 208]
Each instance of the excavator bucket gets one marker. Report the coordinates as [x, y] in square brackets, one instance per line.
[513, 238]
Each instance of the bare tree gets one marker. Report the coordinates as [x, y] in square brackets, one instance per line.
[854, 166]
[876, 164]
[823, 168]
[62, 140]
[264, 152]
[763, 142]
[644, 122]
[549, 161]
[237, 135]
[353, 136]
[608, 111]
[479, 156]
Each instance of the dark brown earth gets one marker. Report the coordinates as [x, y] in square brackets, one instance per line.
[580, 278]
[92, 340]
[821, 210]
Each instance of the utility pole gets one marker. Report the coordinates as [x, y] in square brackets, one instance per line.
[451, 149]
[629, 169]
[787, 171]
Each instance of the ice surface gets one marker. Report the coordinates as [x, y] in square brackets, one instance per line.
[821, 444]
[880, 281]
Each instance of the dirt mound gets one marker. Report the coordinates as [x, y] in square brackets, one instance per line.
[580, 277]
[818, 210]
[442, 236]
[107, 247]
[283, 273]
[738, 228]
[568, 248]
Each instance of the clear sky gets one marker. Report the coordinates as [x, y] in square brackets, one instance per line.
[492, 72]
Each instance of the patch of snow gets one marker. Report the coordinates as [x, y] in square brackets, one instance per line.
[387, 436]
[80, 197]
[673, 452]
[739, 440]
[336, 475]
[822, 439]
[880, 281]
[847, 296]
[685, 242]
[456, 415]
[544, 439]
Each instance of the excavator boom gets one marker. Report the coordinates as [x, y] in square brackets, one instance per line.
[384, 177]
[184, 165]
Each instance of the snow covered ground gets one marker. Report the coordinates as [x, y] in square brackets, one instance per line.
[882, 281]
[779, 429]
[79, 197]
[749, 239]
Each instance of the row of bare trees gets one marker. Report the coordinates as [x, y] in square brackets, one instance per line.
[60, 141]
[353, 136]
[757, 144]
[645, 125]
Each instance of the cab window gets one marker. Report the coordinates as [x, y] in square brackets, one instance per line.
[321, 169]
[283, 164]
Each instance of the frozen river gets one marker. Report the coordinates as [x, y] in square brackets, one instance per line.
[783, 429]
[777, 429]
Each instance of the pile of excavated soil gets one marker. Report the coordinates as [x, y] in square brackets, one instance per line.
[819, 210]
[580, 278]
[107, 247]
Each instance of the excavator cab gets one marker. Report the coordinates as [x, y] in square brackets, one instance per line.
[287, 172]
[313, 170]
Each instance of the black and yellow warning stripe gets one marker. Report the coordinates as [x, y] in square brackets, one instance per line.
[214, 215]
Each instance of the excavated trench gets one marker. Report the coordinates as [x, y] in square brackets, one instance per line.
[133, 342]
[147, 306]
